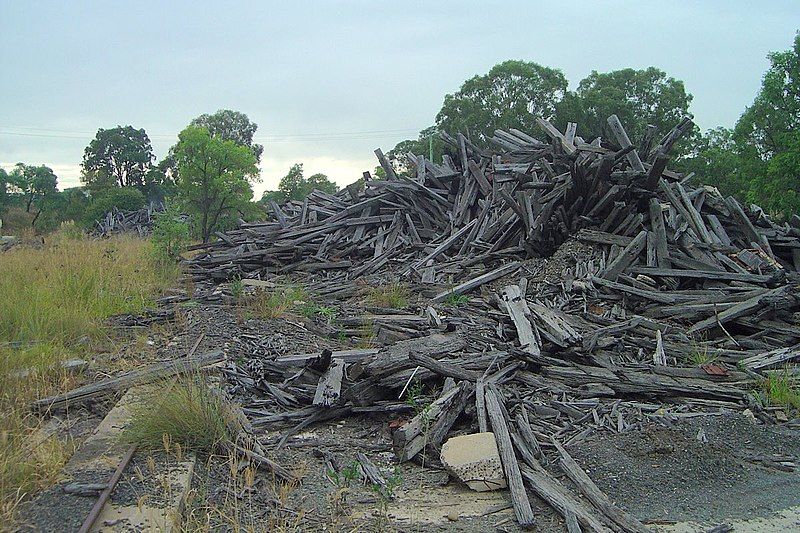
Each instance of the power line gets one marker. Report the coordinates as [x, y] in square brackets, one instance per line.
[266, 138]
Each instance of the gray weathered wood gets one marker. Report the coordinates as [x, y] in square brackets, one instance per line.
[519, 498]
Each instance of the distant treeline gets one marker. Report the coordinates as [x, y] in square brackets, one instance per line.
[209, 172]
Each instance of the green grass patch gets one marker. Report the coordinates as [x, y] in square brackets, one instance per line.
[699, 356]
[275, 303]
[183, 412]
[456, 300]
[54, 300]
[61, 292]
[392, 295]
[310, 309]
[781, 389]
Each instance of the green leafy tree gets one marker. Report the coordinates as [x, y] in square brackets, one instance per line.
[35, 184]
[767, 123]
[213, 177]
[76, 200]
[295, 186]
[3, 189]
[759, 161]
[511, 95]
[716, 161]
[778, 189]
[101, 202]
[170, 235]
[637, 97]
[233, 126]
[118, 156]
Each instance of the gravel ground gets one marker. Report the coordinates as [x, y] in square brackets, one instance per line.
[671, 474]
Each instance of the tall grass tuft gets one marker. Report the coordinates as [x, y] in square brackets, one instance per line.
[781, 389]
[61, 291]
[183, 412]
[275, 303]
[53, 299]
[392, 295]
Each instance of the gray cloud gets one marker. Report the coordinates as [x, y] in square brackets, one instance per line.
[315, 69]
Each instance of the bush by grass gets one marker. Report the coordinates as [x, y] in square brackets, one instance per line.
[54, 299]
[183, 412]
[781, 389]
[274, 303]
[392, 295]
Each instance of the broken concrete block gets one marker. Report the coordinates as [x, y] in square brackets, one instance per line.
[474, 459]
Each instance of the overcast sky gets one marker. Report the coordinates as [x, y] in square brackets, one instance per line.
[329, 81]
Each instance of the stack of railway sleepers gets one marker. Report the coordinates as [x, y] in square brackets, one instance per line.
[668, 300]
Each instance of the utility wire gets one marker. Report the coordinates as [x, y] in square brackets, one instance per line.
[266, 138]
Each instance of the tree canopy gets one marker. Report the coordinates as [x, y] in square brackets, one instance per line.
[638, 97]
[118, 156]
[3, 188]
[33, 182]
[36, 185]
[769, 121]
[233, 126]
[295, 186]
[214, 177]
[514, 93]
[759, 160]
[511, 95]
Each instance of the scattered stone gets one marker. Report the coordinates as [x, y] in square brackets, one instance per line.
[474, 459]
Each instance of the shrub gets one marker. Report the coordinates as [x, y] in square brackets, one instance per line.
[170, 235]
[393, 295]
[184, 412]
[123, 198]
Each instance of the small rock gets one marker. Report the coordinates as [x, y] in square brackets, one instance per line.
[701, 436]
[453, 517]
[749, 415]
[474, 459]
[781, 416]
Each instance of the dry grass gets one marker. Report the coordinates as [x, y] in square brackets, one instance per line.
[235, 511]
[54, 299]
[275, 303]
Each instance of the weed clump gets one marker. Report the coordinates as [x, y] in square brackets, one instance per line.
[456, 300]
[275, 303]
[781, 389]
[184, 412]
[393, 295]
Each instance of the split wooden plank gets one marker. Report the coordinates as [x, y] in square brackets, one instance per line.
[701, 274]
[553, 492]
[553, 133]
[127, 380]
[387, 167]
[626, 258]
[746, 307]
[329, 388]
[625, 142]
[518, 310]
[443, 368]
[519, 497]
[659, 233]
[488, 277]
